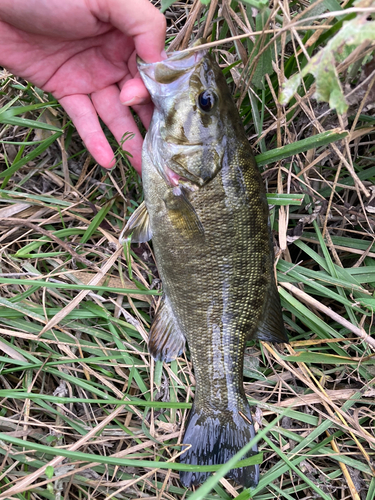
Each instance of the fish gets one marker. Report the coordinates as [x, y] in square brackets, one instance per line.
[206, 211]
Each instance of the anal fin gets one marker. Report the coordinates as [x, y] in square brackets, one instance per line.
[166, 341]
[271, 325]
[138, 226]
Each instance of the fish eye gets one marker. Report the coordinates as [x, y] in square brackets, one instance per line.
[207, 100]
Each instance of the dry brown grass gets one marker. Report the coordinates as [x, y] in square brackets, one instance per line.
[75, 372]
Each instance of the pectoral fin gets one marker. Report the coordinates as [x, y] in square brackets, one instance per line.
[166, 341]
[138, 226]
[271, 325]
[182, 213]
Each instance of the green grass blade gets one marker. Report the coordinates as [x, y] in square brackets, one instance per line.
[25, 122]
[285, 199]
[89, 457]
[214, 480]
[30, 156]
[97, 220]
[68, 286]
[301, 146]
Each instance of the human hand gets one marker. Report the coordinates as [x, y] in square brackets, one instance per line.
[84, 53]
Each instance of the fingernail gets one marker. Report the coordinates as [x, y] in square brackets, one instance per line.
[163, 55]
[131, 101]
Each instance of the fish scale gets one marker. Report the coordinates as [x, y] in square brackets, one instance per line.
[212, 243]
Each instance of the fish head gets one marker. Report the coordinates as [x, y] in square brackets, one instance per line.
[187, 136]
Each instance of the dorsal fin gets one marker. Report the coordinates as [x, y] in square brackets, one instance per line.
[138, 226]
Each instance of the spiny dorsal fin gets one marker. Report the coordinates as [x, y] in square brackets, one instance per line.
[271, 326]
[166, 341]
[138, 226]
[182, 213]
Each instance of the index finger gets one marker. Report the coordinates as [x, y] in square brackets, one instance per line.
[138, 19]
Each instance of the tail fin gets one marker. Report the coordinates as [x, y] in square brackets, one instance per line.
[214, 439]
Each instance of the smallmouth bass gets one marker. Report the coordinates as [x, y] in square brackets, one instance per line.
[206, 211]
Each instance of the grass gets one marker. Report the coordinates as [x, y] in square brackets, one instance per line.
[84, 410]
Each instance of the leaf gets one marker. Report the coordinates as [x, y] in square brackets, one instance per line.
[328, 86]
[245, 495]
[165, 4]
[258, 4]
[19, 110]
[371, 490]
[24, 122]
[97, 220]
[49, 471]
[331, 359]
[332, 5]
[318, 7]
[369, 303]
[16, 394]
[22, 309]
[68, 286]
[29, 196]
[264, 64]
[90, 457]
[8, 105]
[285, 199]
[300, 146]
[297, 471]
[9, 115]
[30, 156]
[12, 353]
[323, 65]
[289, 88]
[62, 233]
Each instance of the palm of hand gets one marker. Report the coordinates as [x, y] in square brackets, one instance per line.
[67, 67]
[73, 69]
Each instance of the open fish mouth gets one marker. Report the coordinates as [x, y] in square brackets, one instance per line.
[173, 68]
